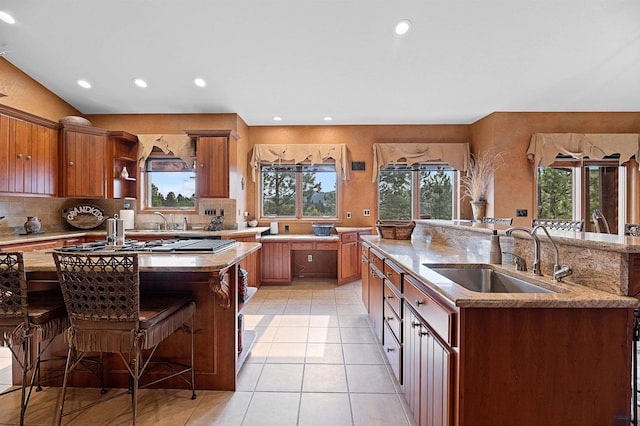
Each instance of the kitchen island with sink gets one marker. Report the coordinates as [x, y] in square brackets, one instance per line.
[212, 281]
[473, 356]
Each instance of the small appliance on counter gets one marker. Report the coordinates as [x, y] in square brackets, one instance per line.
[273, 228]
[128, 216]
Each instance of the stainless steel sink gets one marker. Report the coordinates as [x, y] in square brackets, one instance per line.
[484, 279]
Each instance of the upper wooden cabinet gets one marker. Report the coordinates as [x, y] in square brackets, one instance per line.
[28, 153]
[83, 166]
[123, 153]
[212, 161]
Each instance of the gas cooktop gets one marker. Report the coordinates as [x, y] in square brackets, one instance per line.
[156, 246]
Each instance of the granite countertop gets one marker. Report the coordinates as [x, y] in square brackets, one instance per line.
[299, 237]
[411, 255]
[42, 260]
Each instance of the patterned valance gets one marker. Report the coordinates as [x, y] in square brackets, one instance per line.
[454, 154]
[181, 146]
[544, 147]
[315, 154]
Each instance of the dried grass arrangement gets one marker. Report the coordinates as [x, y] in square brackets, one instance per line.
[479, 174]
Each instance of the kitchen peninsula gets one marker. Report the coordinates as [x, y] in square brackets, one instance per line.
[212, 281]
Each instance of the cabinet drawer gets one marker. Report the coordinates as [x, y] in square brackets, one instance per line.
[392, 298]
[349, 237]
[440, 318]
[393, 274]
[326, 246]
[302, 246]
[393, 351]
[393, 321]
[376, 259]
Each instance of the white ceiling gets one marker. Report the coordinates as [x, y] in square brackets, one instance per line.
[304, 59]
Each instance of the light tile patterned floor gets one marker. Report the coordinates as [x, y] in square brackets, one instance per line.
[315, 362]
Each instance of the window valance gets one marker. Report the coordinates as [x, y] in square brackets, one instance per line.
[454, 154]
[182, 146]
[544, 147]
[316, 154]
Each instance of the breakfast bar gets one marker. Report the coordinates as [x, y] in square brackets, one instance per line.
[211, 279]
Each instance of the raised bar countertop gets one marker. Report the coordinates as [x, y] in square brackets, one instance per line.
[413, 254]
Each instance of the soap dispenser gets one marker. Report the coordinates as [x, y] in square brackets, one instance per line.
[495, 253]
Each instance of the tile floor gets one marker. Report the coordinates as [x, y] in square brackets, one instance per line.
[315, 362]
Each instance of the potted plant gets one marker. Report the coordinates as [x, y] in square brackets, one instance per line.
[476, 181]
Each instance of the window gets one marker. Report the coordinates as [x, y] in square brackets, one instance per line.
[426, 190]
[301, 191]
[570, 189]
[170, 184]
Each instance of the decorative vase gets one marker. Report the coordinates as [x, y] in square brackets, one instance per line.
[479, 209]
[124, 174]
[32, 225]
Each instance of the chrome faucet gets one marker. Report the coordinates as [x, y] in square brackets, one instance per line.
[166, 224]
[559, 271]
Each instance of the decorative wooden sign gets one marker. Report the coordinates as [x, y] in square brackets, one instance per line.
[84, 216]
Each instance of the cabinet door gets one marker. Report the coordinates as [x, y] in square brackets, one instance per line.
[365, 281]
[349, 262]
[276, 262]
[83, 163]
[213, 167]
[435, 381]
[375, 301]
[411, 361]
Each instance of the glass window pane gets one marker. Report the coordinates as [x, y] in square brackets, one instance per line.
[436, 194]
[394, 195]
[555, 193]
[171, 184]
[319, 193]
[602, 194]
[278, 193]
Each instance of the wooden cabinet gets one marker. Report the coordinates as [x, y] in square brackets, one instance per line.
[375, 299]
[28, 153]
[84, 162]
[428, 372]
[276, 262]
[364, 274]
[349, 256]
[253, 262]
[123, 154]
[213, 161]
[41, 244]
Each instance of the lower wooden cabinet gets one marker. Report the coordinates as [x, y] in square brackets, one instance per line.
[253, 262]
[375, 300]
[41, 245]
[364, 275]
[349, 256]
[276, 262]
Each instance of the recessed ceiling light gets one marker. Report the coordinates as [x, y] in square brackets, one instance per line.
[4, 16]
[200, 82]
[402, 27]
[276, 118]
[327, 118]
[140, 82]
[84, 83]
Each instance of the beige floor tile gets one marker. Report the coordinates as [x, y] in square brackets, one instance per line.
[264, 334]
[301, 320]
[280, 378]
[324, 353]
[276, 309]
[356, 335]
[377, 409]
[259, 352]
[351, 309]
[324, 310]
[297, 308]
[324, 335]
[252, 309]
[248, 376]
[220, 408]
[324, 378]
[261, 320]
[288, 353]
[354, 320]
[291, 334]
[319, 320]
[322, 409]
[369, 379]
[362, 353]
[272, 409]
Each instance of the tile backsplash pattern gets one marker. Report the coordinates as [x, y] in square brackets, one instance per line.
[16, 209]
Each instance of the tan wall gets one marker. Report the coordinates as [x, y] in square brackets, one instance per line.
[359, 192]
[511, 132]
[24, 93]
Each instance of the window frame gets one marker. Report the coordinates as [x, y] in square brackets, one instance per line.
[299, 169]
[145, 185]
[415, 170]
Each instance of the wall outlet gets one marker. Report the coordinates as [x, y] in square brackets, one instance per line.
[348, 215]
[309, 258]
[521, 213]
[286, 228]
[367, 212]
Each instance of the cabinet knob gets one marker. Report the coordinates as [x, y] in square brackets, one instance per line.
[415, 324]
[389, 318]
[71, 163]
[389, 296]
[424, 333]
[419, 302]
[389, 274]
[390, 349]
[28, 157]
[19, 155]
[202, 165]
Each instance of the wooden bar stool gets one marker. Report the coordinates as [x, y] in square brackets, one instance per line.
[102, 295]
[27, 318]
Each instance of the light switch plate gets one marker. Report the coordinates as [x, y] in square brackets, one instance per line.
[367, 212]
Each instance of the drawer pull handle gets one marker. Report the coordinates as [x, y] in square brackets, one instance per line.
[423, 333]
[389, 274]
[415, 324]
[419, 302]
[71, 163]
[390, 349]
[389, 296]
[389, 318]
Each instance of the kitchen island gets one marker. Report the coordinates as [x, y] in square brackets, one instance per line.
[212, 281]
[472, 358]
